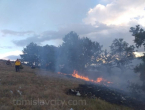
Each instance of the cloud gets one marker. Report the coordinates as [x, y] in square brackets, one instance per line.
[119, 16]
[103, 24]
[13, 57]
[11, 32]
[118, 12]
[45, 36]
[11, 53]
[81, 29]
[102, 33]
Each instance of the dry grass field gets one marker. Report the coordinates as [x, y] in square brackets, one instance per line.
[35, 89]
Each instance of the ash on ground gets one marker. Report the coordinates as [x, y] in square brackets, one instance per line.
[110, 95]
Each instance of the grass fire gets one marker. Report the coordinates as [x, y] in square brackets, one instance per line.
[98, 80]
[77, 75]
[72, 55]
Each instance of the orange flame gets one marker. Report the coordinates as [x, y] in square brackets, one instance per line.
[76, 75]
[79, 76]
[98, 80]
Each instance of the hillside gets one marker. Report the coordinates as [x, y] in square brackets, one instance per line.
[37, 89]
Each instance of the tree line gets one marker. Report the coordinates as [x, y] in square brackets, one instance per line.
[79, 54]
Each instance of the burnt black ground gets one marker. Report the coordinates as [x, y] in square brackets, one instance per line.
[110, 95]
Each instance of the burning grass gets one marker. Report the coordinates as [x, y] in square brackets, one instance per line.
[39, 85]
[98, 80]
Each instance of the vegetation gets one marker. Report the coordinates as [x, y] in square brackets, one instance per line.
[122, 53]
[78, 54]
[139, 40]
[75, 53]
[37, 84]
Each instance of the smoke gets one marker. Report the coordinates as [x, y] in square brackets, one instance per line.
[119, 81]
[75, 54]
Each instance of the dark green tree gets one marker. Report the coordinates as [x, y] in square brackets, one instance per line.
[44, 56]
[139, 35]
[123, 53]
[106, 60]
[139, 40]
[31, 54]
[90, 51]
[67, 53]
[76, 53]
[47, 57]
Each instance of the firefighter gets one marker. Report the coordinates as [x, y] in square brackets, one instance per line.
[17, 65]
[8, 62]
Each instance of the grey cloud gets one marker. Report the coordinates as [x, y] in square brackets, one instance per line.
[13, 57]
[81, 29]
[106, 37]
[11, 32]
[36, 39]
[102, 33]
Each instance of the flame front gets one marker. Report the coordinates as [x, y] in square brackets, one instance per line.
[98, 80]
[76, 75]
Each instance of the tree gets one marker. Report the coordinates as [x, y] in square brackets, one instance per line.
[44, 56]
[68, 53]
[76, 53]
[106, 60]
[123, 53]
[139, 35]
[31, 54]
[88, 53]
[139, 40]
[47, 57]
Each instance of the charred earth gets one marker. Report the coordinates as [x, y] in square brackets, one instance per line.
[108, 94]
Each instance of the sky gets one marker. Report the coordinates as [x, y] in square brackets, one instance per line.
[48, 21]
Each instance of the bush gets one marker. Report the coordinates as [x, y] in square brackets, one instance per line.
[21, 67]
